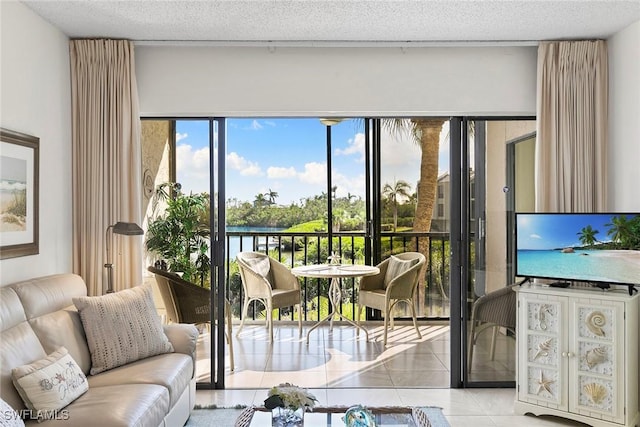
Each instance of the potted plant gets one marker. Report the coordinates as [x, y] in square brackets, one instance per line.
[179, 234]
[288, 403]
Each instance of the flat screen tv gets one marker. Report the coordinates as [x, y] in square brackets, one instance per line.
[598, 248]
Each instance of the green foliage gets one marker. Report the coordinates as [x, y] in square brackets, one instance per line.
[179, 234]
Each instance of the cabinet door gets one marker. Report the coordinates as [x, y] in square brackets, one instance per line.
[542, 335]
[596, 360]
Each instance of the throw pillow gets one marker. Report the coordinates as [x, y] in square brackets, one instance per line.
[9, 417]
[396, 267]
[260, 265]
[50, 384]
[121, 328]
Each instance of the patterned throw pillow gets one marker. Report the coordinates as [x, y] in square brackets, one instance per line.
[122, 327]
[50, 384]
[396, 267]
[9, 417]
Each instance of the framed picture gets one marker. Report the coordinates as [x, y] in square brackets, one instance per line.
[19, 161]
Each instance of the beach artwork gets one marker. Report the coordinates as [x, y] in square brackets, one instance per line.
[19, 160]
[599, 247]
[13, 194]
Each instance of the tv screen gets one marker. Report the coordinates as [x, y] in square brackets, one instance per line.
[593, 247]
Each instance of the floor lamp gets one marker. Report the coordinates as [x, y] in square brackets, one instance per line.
[125, 229]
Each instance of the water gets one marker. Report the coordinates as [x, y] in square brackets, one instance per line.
[247, 241]
[582, 265]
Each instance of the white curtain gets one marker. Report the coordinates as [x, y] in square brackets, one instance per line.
[106, 161]
[571, 148]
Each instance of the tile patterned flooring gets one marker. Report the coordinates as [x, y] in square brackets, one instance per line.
[341, 368]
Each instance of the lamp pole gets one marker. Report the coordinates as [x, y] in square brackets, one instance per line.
[125, 229]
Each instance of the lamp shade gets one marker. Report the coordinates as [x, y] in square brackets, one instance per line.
[127, 229]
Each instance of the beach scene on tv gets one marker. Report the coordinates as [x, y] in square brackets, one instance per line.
[579, 247]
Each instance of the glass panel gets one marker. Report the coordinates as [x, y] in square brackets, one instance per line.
[278, 192]
[415, 198]
[491, 348]
[192, 140]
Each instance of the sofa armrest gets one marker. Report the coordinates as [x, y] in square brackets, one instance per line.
[183, 337]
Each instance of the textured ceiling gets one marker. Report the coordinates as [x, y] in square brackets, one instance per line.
[295, 21]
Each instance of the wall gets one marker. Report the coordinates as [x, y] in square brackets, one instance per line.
[624, 119]
[35, 88]
[254, 81]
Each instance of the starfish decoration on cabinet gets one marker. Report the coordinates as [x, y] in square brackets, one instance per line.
[544, 384]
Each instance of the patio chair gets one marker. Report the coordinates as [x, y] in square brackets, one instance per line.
[189, 303]
[266, 280]
[493, 310]
[397, 281]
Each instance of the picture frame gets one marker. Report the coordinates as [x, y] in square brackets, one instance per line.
[19, 194]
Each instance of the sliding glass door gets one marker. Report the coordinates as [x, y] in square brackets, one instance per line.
[483, 272]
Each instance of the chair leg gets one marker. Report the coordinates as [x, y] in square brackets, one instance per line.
[229, 334]
[413, 315]
[245, 310]
[386, 327]
[269, 316]
[470, 344]
[494, 336]
[299, 321]
[360, 307]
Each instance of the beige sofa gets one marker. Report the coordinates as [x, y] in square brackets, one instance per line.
[38, 316]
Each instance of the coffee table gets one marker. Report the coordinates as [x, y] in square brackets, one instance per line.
[332, 417]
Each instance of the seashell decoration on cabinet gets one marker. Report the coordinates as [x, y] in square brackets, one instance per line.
[595, 323]
[595, 356]
[542, 350]
[542, 317]
[596, 393]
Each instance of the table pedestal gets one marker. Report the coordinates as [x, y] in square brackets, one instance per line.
[335, 297]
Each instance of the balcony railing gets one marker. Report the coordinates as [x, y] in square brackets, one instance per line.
[295, 249]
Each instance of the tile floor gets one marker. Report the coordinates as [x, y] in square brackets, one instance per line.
[342, 369]
[342, 359]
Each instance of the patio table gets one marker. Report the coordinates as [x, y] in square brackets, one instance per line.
[335, 272]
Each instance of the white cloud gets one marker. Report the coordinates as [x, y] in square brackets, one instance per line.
[192, 168]
[274, 172]
[348, 184]
[255, 125]
[535, 236]
[244, 166]
[314, 173]
[355, 146]
[181, 136]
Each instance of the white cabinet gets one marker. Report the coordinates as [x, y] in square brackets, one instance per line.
[578, 354]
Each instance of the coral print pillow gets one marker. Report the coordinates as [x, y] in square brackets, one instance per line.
[50, 384]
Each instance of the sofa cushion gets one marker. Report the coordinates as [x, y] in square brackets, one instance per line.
[63, 328]
[173, 371]
[9, 417]
[396, 267]
[125, 405]
[47, 294]
[20, 346]
[121, 327]
[50, 383]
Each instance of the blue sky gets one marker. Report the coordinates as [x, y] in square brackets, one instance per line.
[551, 231]
[288, 156]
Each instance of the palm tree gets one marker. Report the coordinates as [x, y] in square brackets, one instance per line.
[260, 200]
[620, 230]
[587, 235]
[426, 133]
[272, 195]
[399, 189]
